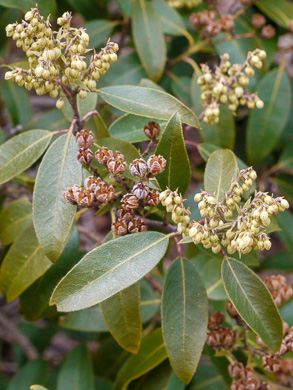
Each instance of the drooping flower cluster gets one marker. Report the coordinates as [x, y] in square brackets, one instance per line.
[219, 336]
[56, 58]
[226, 85]
[208, 25]
[184, 3]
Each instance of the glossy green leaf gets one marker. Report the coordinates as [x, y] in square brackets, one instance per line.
[77, 371]
[150, 355]
[21, 151]
[24, 263]
[147, 83]
[130, 128]
[207, 378]
[96, 124]
[184, 317]
[14, 219]
[282, 261]
[33, 372]
[121, 313]
[266, 125]
[221, 168]
[156, 379]
[53, 217]
[286, 311]
[126, 6]
[50, 120]
[181, 88]
[253, 302]
[286, 158]
[280, 12]
[108, 269]
[99, 32]
[171, 21]
[34, 302]
[147, 102]
[46, 7]
[171, 146]
[148, 38]
[285, 221]
[285, 186]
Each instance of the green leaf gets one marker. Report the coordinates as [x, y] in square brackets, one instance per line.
[253, 302]
[280, 12]
[34, 302]
[172, 147]
[46, 7]
[14, 219]
[286, 159]
[266, 125]
[96, 124]
[126, 6]
[147, 83]
[99, 32]
[130, 128]
[150, 355]
[184, 317]
[33, 372]
[171, 21]
[156, 379]
[108, 269]
[21, 151]
[84, 106]
[282, 261]
[121, 313]
[285, 186]
[286, 311]
[51, 120]
[181, 88]
[148, 38]
[53, 217]
[147, 102]
[221, 168]
[77, 371]
[285, 221]
[24, 263]
[207, 378]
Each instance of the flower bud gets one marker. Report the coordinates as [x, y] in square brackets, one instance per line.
[137, 225]
[141, 190]
[259, 104]
[156, 164]
[153, 198]
[85, 139]
[103, 155]
[138, 168]
[60, 103]
[85, 156]
[119, 228]
[130, 201]
[152, 130]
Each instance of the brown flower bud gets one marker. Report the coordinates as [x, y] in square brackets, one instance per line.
[279, 289]
[137, 225]
[118, 154]
[268, 32]
[125, 214]
[252, 384]
[71, 195]
[291, 26]
[213, 29]
[239, 385]
[85, 139]
[213, 339]
[119, 227]
[130, 201]
[227, 23]
[235, 370]
[86, 198]
[140, 190]
[284, 347]
[246, 3]
[247, 373]
[271, 363]
[156, 164]
[116, 165]
[286, 327]
[263, 386]
[287, 366]
[153, 198]
[289, 342]
[231, 310]
[228, 337]
[103, 155]
[152, 130]
[216, 320]
[85, 156]
[91, 183]
[261, 343]
[104, 193]
[138, 167]
[258, 21]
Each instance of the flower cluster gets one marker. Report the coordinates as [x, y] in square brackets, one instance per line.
[226, 85]
[278, 287]
[184, 3]
[180, 215]
[244, 378]
[258, 21]
[246, 231]
[208, 25]
[114, 162]
[217, 335]
[56, 58]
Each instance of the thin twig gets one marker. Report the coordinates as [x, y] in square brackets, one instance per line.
[152, 281]
[88, 115]
[148, 148]
[191, 143]
[179, 250]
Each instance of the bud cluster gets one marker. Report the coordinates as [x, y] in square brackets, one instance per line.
[217, 335]
[56, 57]
[258, 21]
[278, 287]
[208, 25]
[114, 162]
[184, 3]
[226, 85]
[247, 230]
[175, 204]
[245, 378]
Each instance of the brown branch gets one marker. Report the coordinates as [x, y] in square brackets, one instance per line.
[160, 225]
[155, 285]
[88, 115]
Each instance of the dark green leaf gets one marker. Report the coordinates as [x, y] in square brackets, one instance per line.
[149, 39]
[285, 221]
[53, 217]
[33, 372]
[280, 12]
[184, 317]
[46, 7]
[96, 124]
[21, 151]
[171, 21]
[282, 261]
[285, 186]
[51, 120]
[286, 159]
[207, 378]
[253, 302]
[172, 147]
[147, 102]
[99, 32]
[108, 269]
[181, 88]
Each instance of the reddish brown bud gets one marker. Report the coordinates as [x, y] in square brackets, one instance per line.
[153, 198]
[125, 214]
[252, 384]
[86, 198]
[213, 29]
[213, 339]
[152, 130]
[239, 385]
[91, 183]
[285, 327]
[138, 167]
[271, 363]
[231, 310]
[216, 320]
[137, 225]
[117, 165]
[284, 347]
[268, 32]
[156, 164]
[289, 342]
[130, 201]
[119, 228]
[279, 289]
[246, 3]
[140, 190]
[258, 21]
[103, 155]
[247, 373]
[85, 139]
[261, 343]
[71, 195]
[201, 19]
[228, 337]
[287, 366]
[85, 156]
[104, 193]
[235, 370]
[291, 26]
[227, 23]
